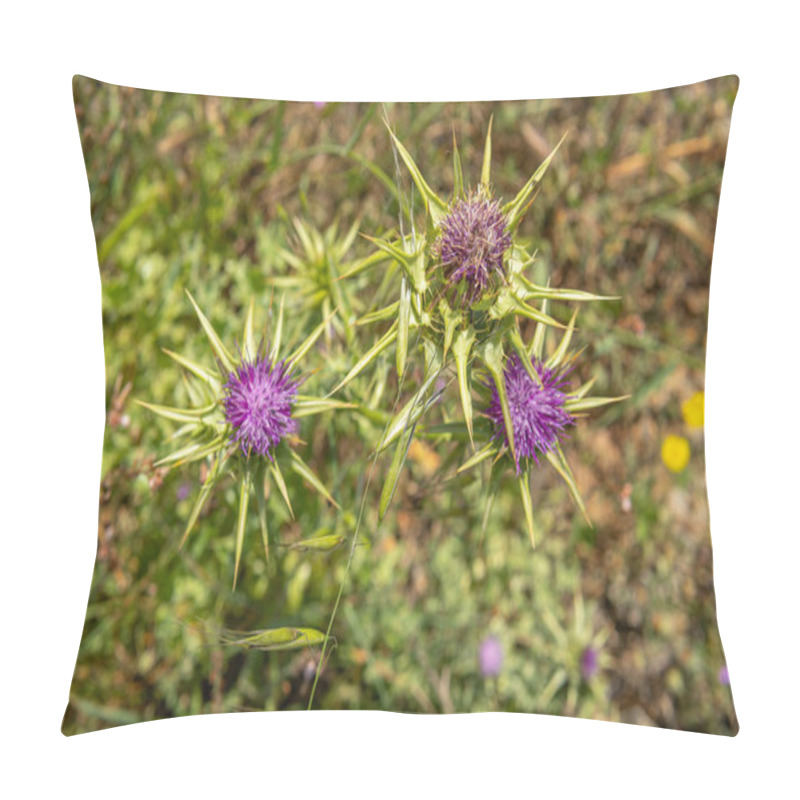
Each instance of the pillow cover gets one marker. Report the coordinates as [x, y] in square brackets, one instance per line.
[405, 407]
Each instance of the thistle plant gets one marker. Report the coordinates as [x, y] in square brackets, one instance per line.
[464, 295]
[244, 420]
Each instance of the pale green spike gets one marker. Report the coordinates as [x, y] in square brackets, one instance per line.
[561, 351]
[537, 344]
[180, 414]
[305, 472]
[514, 209]
[524, 480]
[487, 158]
[588, 403]
[248, 340]
[309, 406]
[461, 351]
[521, 350]
[309, 342]
[217, 346]
[458, 175]
[277, 333]
[402, 325]
[277, 476]
[205, 491]
[560, 464]
[492, 355]
[201, 372]
[395, 468]
[273, 638]
[368, 357]
[434, 205]
[241, 522]
[260, 491]
[487, 451]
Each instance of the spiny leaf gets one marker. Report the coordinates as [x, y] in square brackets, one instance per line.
[241, 522]
[402, 325]
[248, 340]
[205, 491]
[524, 480]
[277, 333]
[492, 354]
[277, 476]
[201, 372]
[537, 343]
[487, 451]
[487, 158]
[433, 204]
[558, 357]
[220, 351]
[587, 403]
[514, 209]
[193, 452]
[461, 350]
[368, 357]
[458, 175]
[273, 638]
[308, 406]
[305, 472]
[395, 468]
[180, 414]
[561, 466]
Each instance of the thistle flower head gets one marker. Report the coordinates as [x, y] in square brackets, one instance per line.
[490, 657]
[473, 238]
[538, 416]
[258, 402]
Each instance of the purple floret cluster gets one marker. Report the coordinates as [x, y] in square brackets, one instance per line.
[472, 242]
[258, 401]
[538, 416]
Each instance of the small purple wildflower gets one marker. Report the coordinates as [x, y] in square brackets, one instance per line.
[589, 663]
[490, 657]
[472, 242]
[258, 404]
[538, 416]
[184, 490]
[723, 676]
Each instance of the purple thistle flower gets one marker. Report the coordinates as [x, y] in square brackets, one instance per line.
[472, 242]
[258, 404]
[537, 411]
[589, 663]
[490, 657]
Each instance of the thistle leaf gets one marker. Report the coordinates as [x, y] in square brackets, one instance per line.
[434, 205]
[248, 340]
[524, 480]
[201, 372]
[368, 357]
[309, 342]
[588, 403]
[277, 333]
[192, 452]
[487, 451]
[273, 638]
[395, 468]
[305, 472]
[217, 346]
[241, 522]
[461, 350]
[514, 210]
[402, 325]
[487, 158]
[561, 351]
[537, 343]
[521, 350]
[388, 312]
[205, 491]
[277, 476]
[458, 175]
[195, 415]
[492, 354]
[561, 466]
[308, 406]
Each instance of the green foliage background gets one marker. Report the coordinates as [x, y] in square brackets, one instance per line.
[200, 193]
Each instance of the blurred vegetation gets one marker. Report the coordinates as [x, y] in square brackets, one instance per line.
[220, 196]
